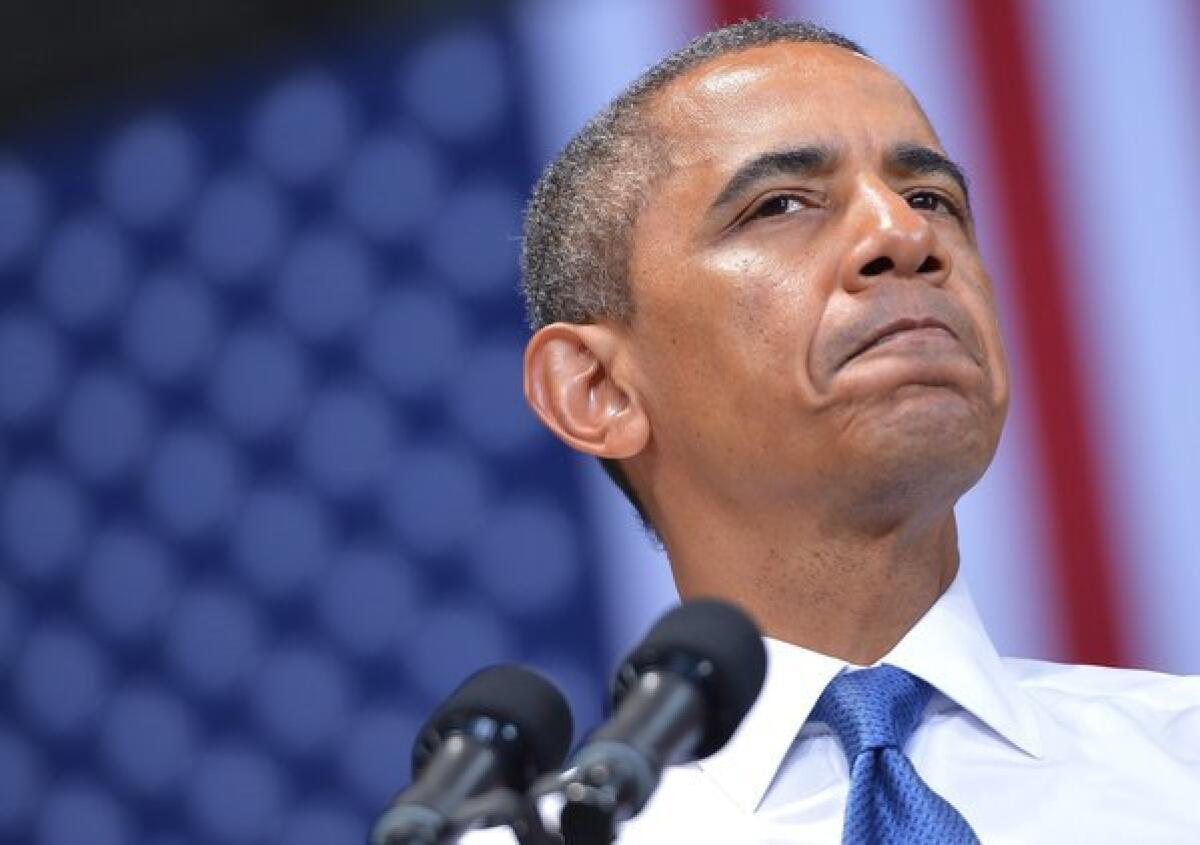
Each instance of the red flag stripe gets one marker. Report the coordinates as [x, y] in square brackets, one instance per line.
[731, 11]
[1094, 630]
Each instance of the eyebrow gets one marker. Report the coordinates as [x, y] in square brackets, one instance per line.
[801, 161]
[906, 159]
[917, 160]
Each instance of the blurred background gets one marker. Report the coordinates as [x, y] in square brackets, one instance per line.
[268, 486]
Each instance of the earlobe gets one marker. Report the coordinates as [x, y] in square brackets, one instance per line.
[573, 385]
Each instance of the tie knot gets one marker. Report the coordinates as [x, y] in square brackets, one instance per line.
[873, 708]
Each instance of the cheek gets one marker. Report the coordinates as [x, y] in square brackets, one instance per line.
[1000, 376]
[982, 306]
[757, 350]
[759, 296]
[982, 292]
[727, 336]
[760, 341]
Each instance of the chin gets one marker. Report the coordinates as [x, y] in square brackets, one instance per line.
[929, 442]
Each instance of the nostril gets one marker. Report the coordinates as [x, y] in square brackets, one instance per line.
[930, 265]
[877, 266]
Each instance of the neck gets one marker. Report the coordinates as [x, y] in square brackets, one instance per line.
[848, 591]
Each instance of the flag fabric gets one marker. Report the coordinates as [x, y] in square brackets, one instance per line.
[268, 487]
[270, 490]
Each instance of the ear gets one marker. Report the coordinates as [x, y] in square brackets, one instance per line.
[574, 383]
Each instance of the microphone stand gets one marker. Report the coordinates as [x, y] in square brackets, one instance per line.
[507, 807]
[585, 804]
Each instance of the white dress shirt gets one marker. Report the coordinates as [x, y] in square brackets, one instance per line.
[1027, 751]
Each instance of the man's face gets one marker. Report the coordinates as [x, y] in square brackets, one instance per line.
[812, 315]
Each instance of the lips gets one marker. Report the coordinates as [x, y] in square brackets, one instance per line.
[919, 321]
[897, 327]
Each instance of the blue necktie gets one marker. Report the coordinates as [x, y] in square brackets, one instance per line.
[873, 712]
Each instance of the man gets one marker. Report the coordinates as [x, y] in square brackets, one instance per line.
[758, 298]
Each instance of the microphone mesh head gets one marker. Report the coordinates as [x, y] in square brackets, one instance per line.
[716, 646]
[514, 696]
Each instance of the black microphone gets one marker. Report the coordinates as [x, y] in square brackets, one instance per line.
[502, 727]
[678, 696]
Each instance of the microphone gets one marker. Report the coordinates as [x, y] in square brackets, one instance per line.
[502, 727]
[677, 697]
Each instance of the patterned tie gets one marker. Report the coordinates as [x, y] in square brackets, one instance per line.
[873, 712]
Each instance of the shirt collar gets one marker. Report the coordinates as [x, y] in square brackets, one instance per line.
[948, 648]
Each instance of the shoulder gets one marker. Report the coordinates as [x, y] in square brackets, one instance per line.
[1156, 689]
[1105, 699]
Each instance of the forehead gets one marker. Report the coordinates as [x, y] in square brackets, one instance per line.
[782, 95]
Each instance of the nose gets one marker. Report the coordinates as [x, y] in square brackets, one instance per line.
[891, 238]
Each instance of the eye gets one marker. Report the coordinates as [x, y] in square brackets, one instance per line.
[778, 205]
[932, 201]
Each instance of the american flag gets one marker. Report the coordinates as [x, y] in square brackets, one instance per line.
[268, 489]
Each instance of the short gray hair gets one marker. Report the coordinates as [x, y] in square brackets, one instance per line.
[578, 224]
